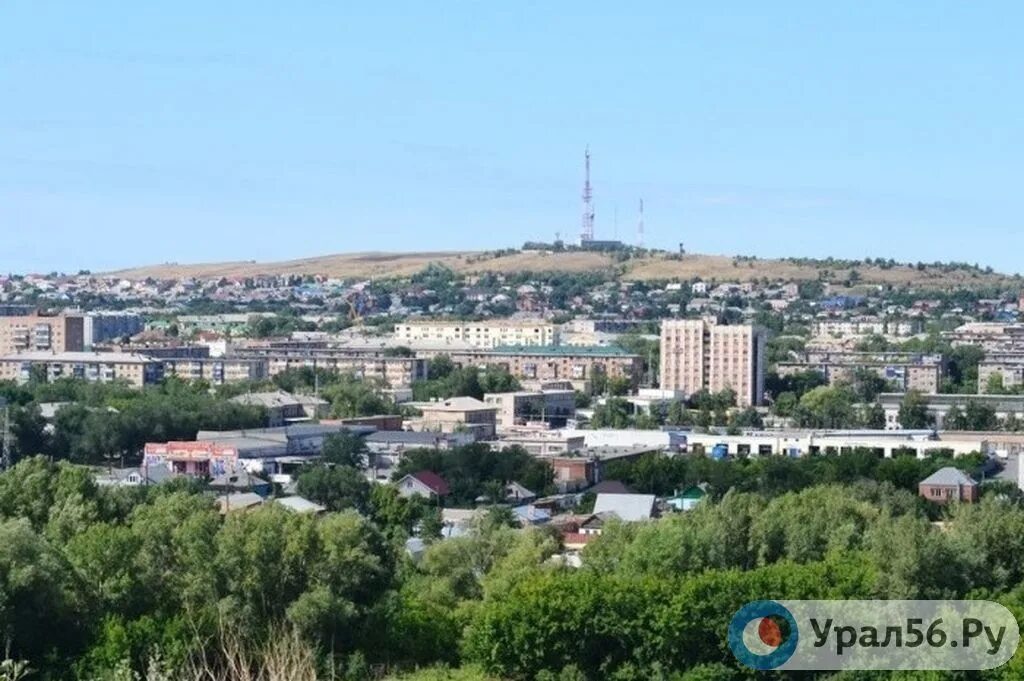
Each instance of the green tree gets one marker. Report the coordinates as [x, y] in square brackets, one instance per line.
[913, 412]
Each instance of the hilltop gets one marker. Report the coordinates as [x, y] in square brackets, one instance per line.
[643, 266]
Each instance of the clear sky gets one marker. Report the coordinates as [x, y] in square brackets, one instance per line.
[142, 132]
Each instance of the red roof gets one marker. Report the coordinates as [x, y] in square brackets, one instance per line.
[434, 481]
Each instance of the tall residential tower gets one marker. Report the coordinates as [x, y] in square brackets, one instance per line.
[701, 354]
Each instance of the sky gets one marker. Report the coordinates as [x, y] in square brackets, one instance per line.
[194, 131]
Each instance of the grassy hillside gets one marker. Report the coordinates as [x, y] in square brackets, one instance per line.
[643, 268]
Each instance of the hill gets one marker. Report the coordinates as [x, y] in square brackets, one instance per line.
[643, 267]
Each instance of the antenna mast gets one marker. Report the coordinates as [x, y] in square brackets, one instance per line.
[587, 227]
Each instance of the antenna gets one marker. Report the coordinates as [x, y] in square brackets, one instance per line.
[640, 227]
[587, 227]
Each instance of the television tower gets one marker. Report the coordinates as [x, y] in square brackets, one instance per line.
[640, 227]
[587, 227]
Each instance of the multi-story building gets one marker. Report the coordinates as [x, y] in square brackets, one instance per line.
[486, 334]
[100, 367]
[553, 407]
[373, 364]
[577, 365]
[699, 354]
[866, 326]
[1009, 366]
[217, 370]
[35, 332]
[992, 336]
[904, 370]
[98, 327]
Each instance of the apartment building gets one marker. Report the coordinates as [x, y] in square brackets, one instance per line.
[1009, 366]
[905, 371]
[98, 327]
[866, 326]
[100, 367]
[577, 365]
[994, 337]
[485, 334]
[217, 370]
[701, 354]
[393, 372]
[36, 333]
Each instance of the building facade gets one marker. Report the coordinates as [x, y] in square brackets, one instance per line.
[699, 355]
[37, 333]
[579, 366]
[553, 407]
[99, 367]
[486, 334]
[904, 371]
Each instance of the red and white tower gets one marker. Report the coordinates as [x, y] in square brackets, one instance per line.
[587, 227]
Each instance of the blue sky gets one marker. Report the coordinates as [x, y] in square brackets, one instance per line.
[134, 133]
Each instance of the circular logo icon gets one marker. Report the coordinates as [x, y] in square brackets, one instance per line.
[763, 635]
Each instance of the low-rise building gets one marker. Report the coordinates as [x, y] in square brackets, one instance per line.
[552, 407]
[938, 406]
[283, 407]
[948, 485]
[457, 414]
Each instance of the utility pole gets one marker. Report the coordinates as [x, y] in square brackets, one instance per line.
[6, 441]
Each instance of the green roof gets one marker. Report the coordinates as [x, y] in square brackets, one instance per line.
[564, 350]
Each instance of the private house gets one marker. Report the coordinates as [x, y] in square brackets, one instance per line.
[628, 508]
[426, 484]
[297, 504]
[689, 498]
[948, 485]
[516, 493]
[238, 502]
[134, 477]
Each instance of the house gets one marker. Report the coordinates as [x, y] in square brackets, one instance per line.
[241, 481]
[948, 485]
[530, 515]
[135, 477]
[242, 501]
[423, 483]
[689, 498]
[298, 504]
[514, 492]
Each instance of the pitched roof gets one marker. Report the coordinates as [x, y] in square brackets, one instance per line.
[628, 507]
[949, 477]
[300, 504]
[434, 481]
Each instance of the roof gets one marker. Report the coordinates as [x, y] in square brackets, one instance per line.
[432, 480]
[81, 357]
[242, 480]
[238, 502]
[628, 507]
[531, 514]
[277, 399]
[561, 350]
[405, 437]
[456, 404]
[610, 487]
[300, 504]
[949, 477]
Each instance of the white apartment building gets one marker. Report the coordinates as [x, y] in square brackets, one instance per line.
[486, 334]
[701, 354]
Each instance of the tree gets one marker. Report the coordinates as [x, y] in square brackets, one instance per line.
[345, 449]
[614, 413]
[336, 487]
[913, 412]
[827, 407]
